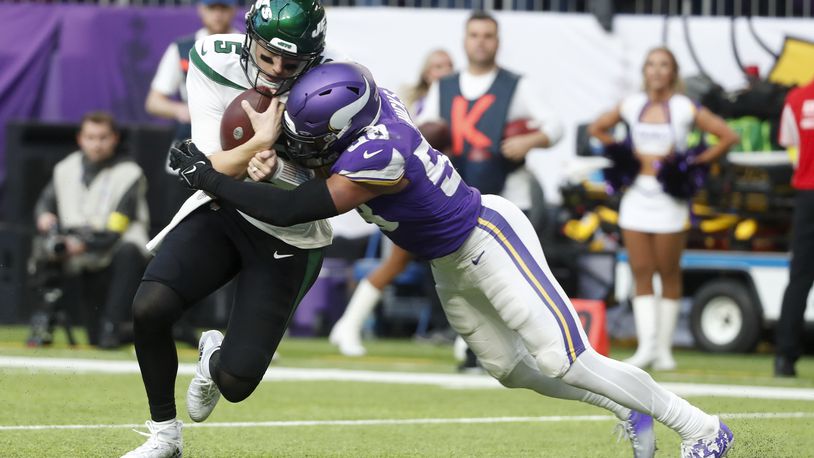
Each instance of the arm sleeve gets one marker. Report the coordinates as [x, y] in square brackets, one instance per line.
[527, 103]
[168, 77]
[788, 134]
[311, 201]
[47, 202]
[432, 106]
[206, 107]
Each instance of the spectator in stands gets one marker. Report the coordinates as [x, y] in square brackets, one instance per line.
[170, 78]
[94, 211]
[797, 131]
[169, 82]
[347, 332]
[437, 65]
[478, 102]
[653, 222]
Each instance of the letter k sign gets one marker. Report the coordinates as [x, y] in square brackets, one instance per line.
[464, 123]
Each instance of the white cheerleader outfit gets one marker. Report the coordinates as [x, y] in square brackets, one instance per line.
[645, 207]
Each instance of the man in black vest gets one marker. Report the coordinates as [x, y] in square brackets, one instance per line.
[477, 104]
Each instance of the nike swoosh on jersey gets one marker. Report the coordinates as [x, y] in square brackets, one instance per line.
[368, 155]
[477, 260]
[203, 50]
[281, 256]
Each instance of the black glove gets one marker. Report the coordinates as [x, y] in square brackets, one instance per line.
[193, 167]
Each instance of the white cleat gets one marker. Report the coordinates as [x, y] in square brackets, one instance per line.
[348, 342]
[664, 362]
[203, 394]
[164, 441]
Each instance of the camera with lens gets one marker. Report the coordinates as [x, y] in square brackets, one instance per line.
[53, 244]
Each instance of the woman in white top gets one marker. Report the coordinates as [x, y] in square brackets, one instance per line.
[654, 223]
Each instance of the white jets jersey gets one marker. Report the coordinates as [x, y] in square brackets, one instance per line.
[215, 78]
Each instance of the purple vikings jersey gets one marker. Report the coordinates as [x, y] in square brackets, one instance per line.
[433, 215]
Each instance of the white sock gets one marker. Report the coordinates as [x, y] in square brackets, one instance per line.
[668, 317]
[645, 314]
[169, 430]
[594, 399]
[635, 389]
[364, 299]
[687, 420]
[166, 422]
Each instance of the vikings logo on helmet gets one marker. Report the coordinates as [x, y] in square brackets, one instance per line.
[326, 109]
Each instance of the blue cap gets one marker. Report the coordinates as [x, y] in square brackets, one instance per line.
[218, 2]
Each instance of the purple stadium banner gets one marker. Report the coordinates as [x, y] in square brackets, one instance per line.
[61, 61]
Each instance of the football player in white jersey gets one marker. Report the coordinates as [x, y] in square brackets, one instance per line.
[207, 243]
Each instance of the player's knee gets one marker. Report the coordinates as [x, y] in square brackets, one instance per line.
[552, 363]
[240, 370]
[518, 377]
[234, 388]
[155, 305]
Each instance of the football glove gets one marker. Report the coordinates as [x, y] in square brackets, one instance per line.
[193, 167]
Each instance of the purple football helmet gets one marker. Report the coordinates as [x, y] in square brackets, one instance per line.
[326, 110]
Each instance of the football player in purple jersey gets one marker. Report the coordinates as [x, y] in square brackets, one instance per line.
[489, 268]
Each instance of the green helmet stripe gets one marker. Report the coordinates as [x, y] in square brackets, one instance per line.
[196, 60]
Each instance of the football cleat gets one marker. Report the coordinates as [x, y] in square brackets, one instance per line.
[164, 441]
[638, 429]
[348, 341]
[203, 394]
[714, 446]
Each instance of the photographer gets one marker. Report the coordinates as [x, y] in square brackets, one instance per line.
[93, 221]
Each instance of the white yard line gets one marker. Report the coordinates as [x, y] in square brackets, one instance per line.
[288, 374]
[407, 421]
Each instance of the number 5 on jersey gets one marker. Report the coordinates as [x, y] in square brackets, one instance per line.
[439, 170]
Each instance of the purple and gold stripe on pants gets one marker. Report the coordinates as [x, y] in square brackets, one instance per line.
[497, 226]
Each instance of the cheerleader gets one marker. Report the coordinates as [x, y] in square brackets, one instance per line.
[654, 222]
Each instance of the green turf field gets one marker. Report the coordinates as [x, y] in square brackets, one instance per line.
[395, 419]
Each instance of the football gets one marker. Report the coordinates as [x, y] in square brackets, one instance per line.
[235, 126]
[519, 127]
[437, 134]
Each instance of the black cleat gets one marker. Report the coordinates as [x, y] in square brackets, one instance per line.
[784, 367]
